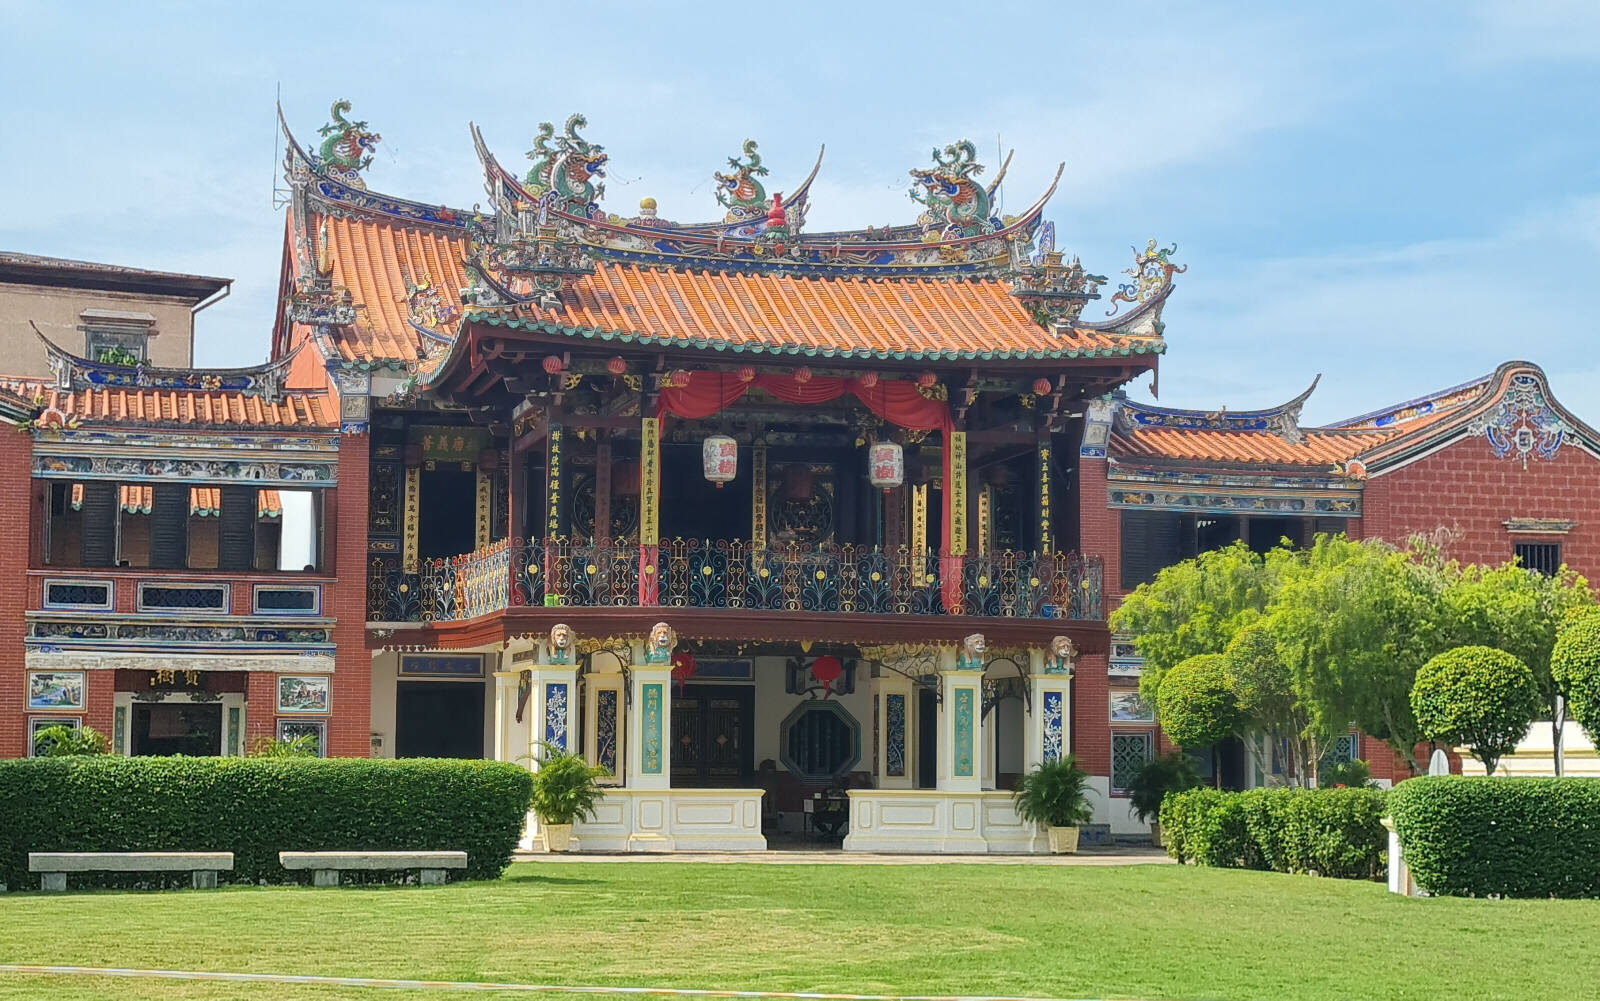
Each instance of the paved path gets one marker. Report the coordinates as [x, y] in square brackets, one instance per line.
[1108, 856]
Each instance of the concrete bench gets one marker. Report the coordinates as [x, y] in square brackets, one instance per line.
[326, 866]
[54, 866]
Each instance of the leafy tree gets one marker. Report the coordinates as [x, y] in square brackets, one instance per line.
[1575, 664]
[1264, 688]
[1194, 607]
[69, 741]
[1520, 611]
[1195, 704]
[1478, 697]
[1353, 774]
[303, 746]
[1355, 621]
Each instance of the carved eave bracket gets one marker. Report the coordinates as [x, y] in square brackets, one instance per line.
[544, 264]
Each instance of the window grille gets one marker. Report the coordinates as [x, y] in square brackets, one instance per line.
[1543, 557]
[1129, 752]
[116, 345]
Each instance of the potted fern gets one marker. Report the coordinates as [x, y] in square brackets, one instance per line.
[1055, 796]
[1162, 774]
[565, 788]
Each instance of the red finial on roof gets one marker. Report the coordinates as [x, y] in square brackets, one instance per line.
[776, 216]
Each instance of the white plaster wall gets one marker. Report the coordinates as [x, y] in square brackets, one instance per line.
[773, 705]
[385, 676]
[1114, 810]
[385, 666]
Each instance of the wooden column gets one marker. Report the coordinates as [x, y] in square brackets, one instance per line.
[955, 520]
[1041, 502]
[602, 486]
[758, 497]
[649, 510]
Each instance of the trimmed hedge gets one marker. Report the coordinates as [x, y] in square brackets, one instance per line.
[1510, 837]
[255, 808]
[1329, 832]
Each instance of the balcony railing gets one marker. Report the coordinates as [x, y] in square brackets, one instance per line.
[733, 574]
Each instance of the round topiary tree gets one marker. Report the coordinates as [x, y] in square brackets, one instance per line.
[1477, 697]
[1196, 704]
[1575, 668]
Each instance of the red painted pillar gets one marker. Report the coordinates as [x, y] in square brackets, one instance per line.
[350, 724]
[21, 513]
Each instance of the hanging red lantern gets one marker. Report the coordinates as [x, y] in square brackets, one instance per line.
[802, 374]
[1041, 386]
[616, 366]
[926, 380]
[827, 670]
[553, 364]
[746, 373]
[866, 380]
[682, 668]
[679, 378]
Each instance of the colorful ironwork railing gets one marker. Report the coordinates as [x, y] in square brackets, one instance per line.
[732, 574]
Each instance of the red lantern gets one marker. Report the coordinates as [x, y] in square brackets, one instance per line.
[926, 380]
[616, 366]
[682, 668]
[866, 380]
[552, 364]
[886, 465]
[679, 378]
[802, 374]
[1041, 386]
[827, 670]
[747, 374]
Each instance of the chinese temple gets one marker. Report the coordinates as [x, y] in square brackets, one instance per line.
[799, 534]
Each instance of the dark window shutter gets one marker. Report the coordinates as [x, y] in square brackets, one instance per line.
[236, 529]
[99, 524]
[1150, 543]
[169, 526]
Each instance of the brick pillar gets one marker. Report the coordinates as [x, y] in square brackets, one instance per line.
[1099, 534]
[17, 521]
[260, 711]
[350, 729]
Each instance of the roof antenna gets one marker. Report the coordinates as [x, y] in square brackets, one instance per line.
[280, 196]
[1000, 192]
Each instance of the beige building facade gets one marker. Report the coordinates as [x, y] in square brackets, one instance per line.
[98, 311]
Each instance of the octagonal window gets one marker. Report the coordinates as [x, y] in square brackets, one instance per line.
[819, 740]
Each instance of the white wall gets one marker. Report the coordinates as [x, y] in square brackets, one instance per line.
[385, 676]
[772, 705]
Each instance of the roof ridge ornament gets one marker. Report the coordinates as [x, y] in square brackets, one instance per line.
[346, 147]
[957, 205]
[1054, 292]
[566, 170]
[1152, 271]
[740, 193]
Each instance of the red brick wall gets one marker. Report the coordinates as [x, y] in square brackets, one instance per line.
[16, 517]
[1464, 487]
[350, 730]
[1099, 535]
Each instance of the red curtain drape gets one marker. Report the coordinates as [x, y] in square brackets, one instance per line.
[897, 401]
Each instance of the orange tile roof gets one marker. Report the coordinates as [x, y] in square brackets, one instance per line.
[203, 501]
[374, 260]
[302, 411]
[1317, 448]
[840, 316]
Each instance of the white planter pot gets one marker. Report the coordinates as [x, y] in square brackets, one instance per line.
[1063, 840]
[557, 837]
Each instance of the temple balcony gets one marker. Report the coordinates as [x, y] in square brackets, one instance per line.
[733, 575]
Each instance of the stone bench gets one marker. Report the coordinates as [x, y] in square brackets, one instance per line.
[54, 866]
[326, 866]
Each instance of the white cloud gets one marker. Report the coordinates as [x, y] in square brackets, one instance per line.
[1534, 30]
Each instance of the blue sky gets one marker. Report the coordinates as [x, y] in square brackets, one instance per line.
[1397, 196]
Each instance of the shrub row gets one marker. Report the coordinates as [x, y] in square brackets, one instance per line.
[1512, 837]
[1329, 832]
[257, 807]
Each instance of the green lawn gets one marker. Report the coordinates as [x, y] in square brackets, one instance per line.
[1125, 932]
